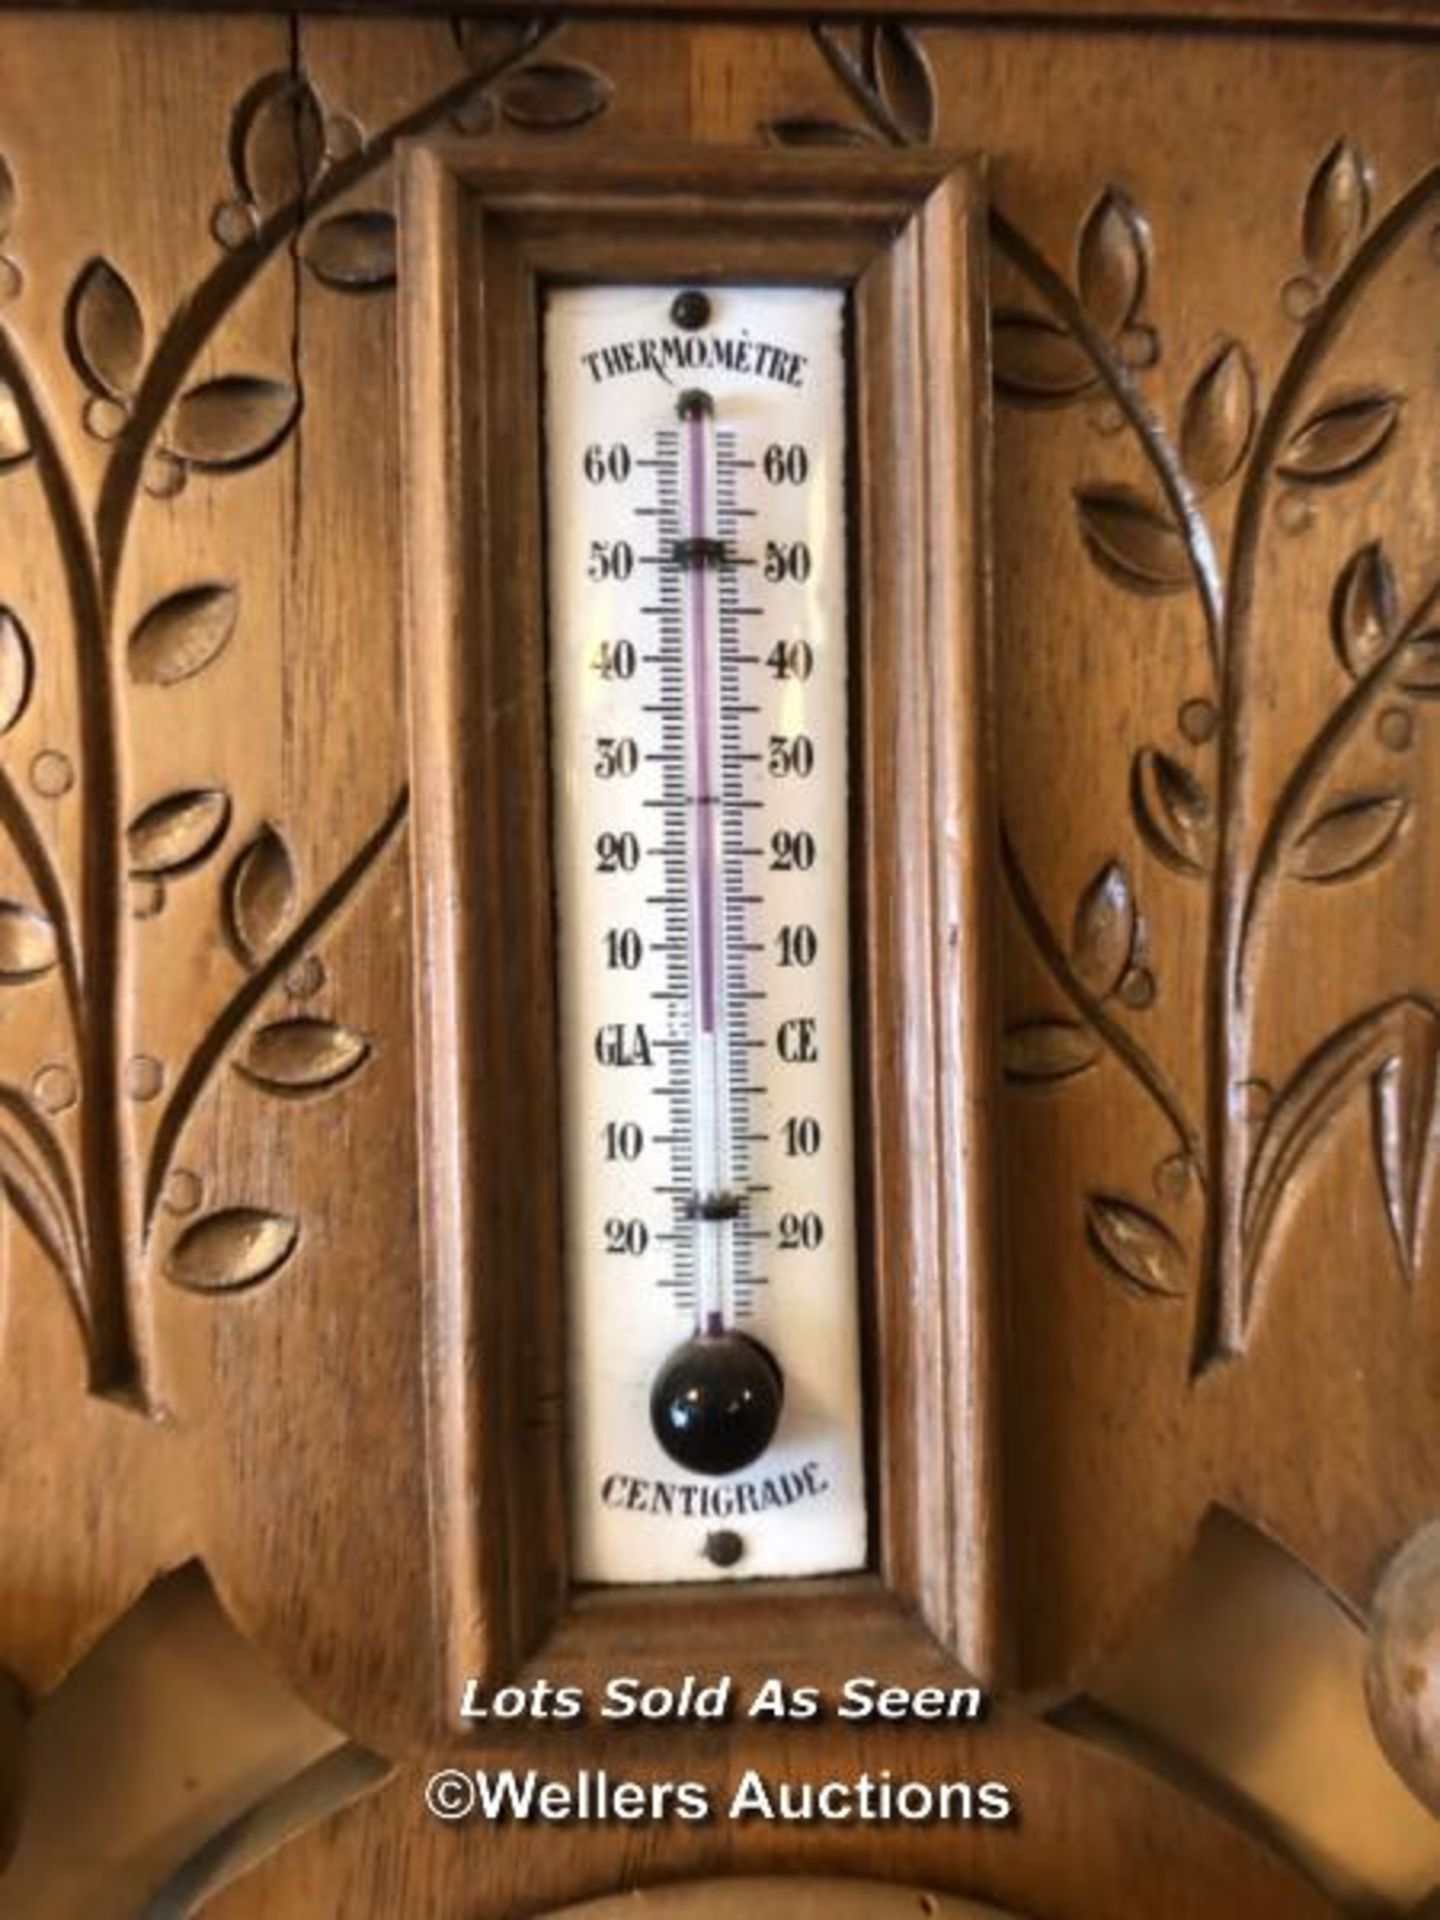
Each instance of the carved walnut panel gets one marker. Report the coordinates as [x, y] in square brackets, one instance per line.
[1217, 641]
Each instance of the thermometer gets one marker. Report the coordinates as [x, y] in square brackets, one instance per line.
[697, 573]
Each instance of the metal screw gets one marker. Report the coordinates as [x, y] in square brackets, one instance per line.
[723, 1549]
[691, 309]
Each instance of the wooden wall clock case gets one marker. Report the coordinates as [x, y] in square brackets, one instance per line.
[1215, 582]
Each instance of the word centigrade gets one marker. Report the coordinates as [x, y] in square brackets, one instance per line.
[595, 1796]
[668, 355]
[697, 1502]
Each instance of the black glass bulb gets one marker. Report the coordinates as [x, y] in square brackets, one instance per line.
[716, 1402]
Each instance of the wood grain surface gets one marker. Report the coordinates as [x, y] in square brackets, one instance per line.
[1217, 649]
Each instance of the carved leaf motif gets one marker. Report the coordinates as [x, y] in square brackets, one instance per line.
[277, 141]
[487, 43]
[353, 252]
[1041, 1052]
[17, 670]
[1219, 417]
[235, 1248]
[1172, 811]
[1337, 209]
[1133, 539]
[28, 946]
[14, 439]
[178, 833]
[260, 895]
[33, 1198]
[1138, 1249]
[803, 132]
[900, 72]
[1313, 1095]
[302, 1056]
[1402, 1111]
[8, 198]
[1341, 438]
[1419, 672]
[1363, 610]
[1349, 838]
[1112, 254]
[1037, 359]
[181, 635]
[1104, 933]
[476, 113]
[232, 422]
[105, 330]
[552, 95]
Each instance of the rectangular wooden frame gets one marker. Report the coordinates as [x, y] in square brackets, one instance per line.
[482, 230]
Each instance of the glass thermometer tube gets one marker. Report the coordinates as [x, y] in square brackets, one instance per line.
[717, 1399]
[699, 553]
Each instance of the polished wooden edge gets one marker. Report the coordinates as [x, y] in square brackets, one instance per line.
[431, 362]
[481, 228]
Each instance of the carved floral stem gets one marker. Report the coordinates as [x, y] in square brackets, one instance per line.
[1159, 455]
[108, 1222]
[195, 320]
[851, 76]
[104, 1234]
[247, 998]
[1305, 776]
[1225, 1286]
[29, 843]
[1097, 1015]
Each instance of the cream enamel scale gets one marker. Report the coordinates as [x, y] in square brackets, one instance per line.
[695, 507]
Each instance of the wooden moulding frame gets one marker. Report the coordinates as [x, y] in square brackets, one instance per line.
[483, 232]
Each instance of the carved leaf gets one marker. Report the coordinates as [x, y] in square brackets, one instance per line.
[277, 141]
[353, 252]
[476, 113]
[1040, 1052]
[28, 946]
[177, 833]
[488, 43]
[33, 1197]
[901, 75]
[1219, 417]
[1037, 359]
[231, 1250]
[181, 635]
[1402, 1112]
[1314, 1095]
[1363, 610]
[1349, 838]
[1419, 672]
[1337, 209]
[17, 670]
[1342, 438]
[1103, 938]
[1137, 1248]
[1112, 254]
[14, 439]
[803, 132]
[302, 1056]
[551, 95]
[1172, 811]
[1133, 539]
[233, 421]
[8, 197]
[260, 895]
[105, 331]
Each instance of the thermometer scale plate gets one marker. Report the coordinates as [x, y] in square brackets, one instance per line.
[695, 509]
